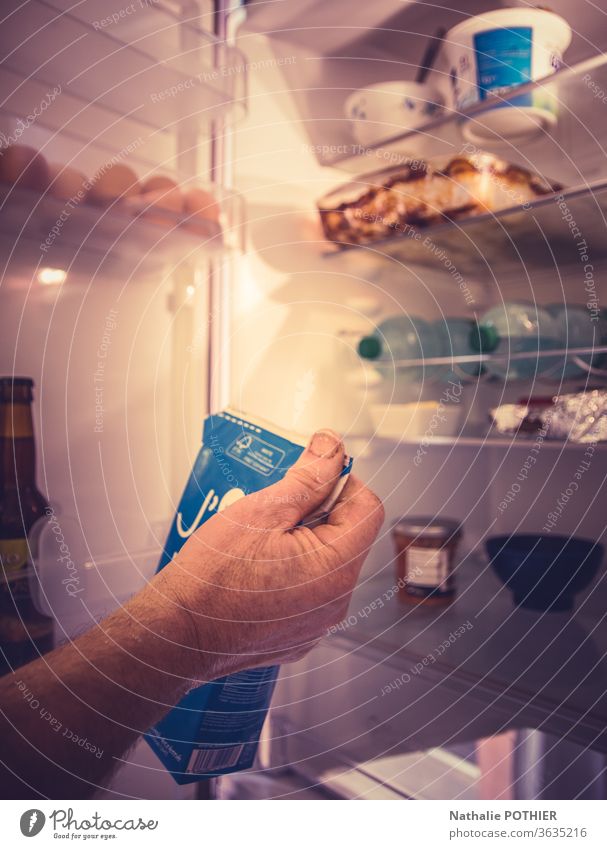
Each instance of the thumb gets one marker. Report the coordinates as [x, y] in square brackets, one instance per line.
[305, 486]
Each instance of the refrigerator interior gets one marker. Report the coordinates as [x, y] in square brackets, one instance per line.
[515, 670]
[132, 328]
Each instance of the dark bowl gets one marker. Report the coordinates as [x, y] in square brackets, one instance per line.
[544, 572]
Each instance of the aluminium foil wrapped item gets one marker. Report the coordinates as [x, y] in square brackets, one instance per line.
[510, 418]
[577, 417]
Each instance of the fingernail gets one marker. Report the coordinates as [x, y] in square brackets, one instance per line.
[324, 443]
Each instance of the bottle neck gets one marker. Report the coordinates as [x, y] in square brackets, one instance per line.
[17, 449]
[484, 338]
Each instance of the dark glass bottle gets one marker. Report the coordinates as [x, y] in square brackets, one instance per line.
[25, 633]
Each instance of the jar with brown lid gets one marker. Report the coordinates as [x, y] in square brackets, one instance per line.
[425, 550]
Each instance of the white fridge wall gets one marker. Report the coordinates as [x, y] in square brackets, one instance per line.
[100, 354]
[114, 490]
[289, 303]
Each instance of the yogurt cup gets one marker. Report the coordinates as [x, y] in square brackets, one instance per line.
[490, 53]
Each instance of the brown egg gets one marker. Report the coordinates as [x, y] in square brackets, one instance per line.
[163, 192]
[202, 204]
[111, 183]
[160, 202]
[66, 182]
[24, 167]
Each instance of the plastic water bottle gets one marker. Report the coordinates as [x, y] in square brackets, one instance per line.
[455, 334]
[403, 337]
[577, 329]
[513, 328]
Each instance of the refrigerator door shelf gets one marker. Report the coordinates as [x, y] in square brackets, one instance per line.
[40, 230]
[152, 65]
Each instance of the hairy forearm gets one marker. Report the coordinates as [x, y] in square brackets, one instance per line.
[106, 688]
[252, 587]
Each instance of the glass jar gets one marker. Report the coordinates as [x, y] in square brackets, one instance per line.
[425, 549]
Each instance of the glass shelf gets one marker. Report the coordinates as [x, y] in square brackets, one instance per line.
[511, 241]
[574, 355]
[386, 443]
[509, 652]
[546, 233]
[574, 146]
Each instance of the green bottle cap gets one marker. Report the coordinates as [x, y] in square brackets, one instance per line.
[484, 338]
[369, 347]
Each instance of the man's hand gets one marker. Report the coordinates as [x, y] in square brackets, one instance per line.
[261, 587]
[254, 586]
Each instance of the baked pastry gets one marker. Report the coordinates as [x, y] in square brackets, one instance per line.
[391, 202]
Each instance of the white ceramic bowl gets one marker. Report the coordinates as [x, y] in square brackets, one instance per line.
[380, 111]
[491, 52]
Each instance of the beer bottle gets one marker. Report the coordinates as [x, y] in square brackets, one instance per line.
[25, 633]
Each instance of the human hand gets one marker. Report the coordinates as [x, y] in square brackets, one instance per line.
[257, 587]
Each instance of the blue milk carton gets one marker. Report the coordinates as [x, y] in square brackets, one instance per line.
[215, 729]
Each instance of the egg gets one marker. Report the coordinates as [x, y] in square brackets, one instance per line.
[111, 183]
[65, 182]
[198, 202]
[24, 167]
[201, 213]
[163, 192]
[160, 202]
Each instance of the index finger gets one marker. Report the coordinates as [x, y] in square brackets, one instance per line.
[354, 522]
